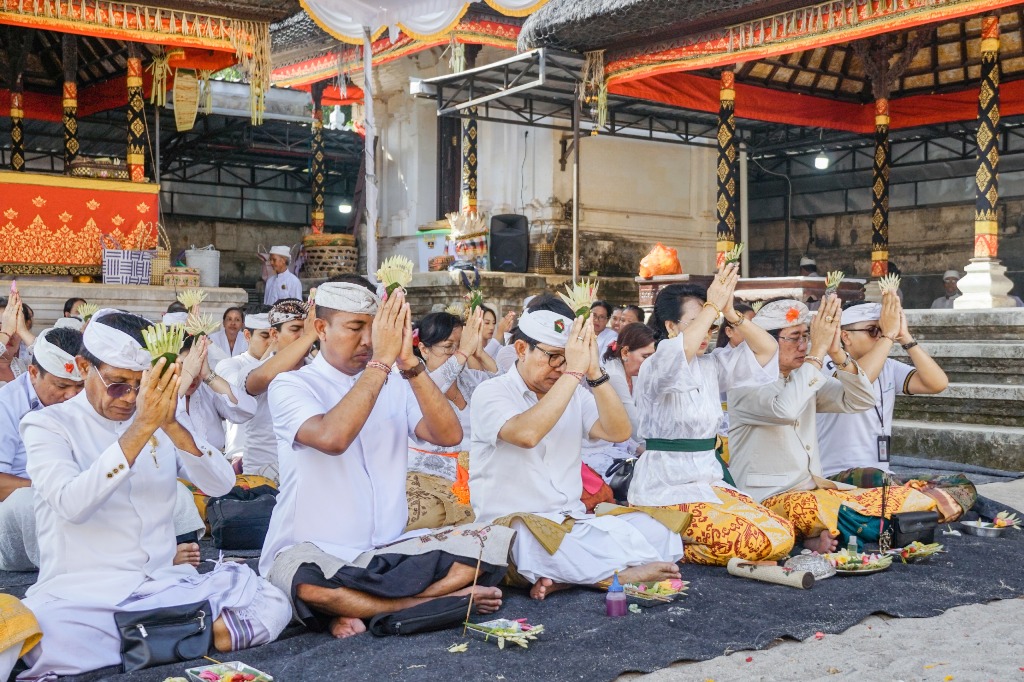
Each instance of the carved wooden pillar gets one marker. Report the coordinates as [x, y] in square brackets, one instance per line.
[880, 192]
[136, 118]
[317, 167]
[728, 169]
[70, 118]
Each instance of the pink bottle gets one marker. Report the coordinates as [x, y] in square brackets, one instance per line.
[615, 601]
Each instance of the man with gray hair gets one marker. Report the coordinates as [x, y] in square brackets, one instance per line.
[282, 284]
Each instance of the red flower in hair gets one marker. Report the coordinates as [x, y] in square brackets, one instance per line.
[614, 345]
[415, 337]
[792, 315]
[69, 367]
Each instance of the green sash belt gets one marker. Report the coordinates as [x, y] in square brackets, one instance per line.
[691, 445]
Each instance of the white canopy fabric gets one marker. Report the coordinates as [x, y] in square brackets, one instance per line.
[361, 22]
[420, 19]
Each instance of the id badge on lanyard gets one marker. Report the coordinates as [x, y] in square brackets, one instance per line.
[883, 448]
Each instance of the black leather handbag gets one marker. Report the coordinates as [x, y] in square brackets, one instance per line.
[914, 526]
[436, 614]
[619, 476]
[167, 635]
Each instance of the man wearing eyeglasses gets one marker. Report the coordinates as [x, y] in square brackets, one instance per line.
[528, 427]
[856, 447]
[773, 433]
[52, 378]
[104, 466]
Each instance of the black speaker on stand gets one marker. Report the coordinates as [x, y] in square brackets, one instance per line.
[510, 243]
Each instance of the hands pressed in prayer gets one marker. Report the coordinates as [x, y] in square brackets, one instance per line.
[904, 336]
[594, 372]
[158, 397]
[308, 327]
[578, 351]
[388, 329]
[504, 326]
[825, 328]
[470, 343]
[406, 357]
[891, 319]
[194, 363]
[9, 321]
[720, 293]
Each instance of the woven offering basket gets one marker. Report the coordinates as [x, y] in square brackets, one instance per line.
[328, 261]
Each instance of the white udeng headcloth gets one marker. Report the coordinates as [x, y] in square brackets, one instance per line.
[348, 298]
[55, 359]
[257, 321]
[174, 318]
[113, 347]
[865, 312]
[544, 326]
[781, 314]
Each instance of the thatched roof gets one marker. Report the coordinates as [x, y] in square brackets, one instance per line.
[298, 34]
[582, 25]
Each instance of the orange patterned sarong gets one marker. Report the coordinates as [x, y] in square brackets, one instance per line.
[737, 527]
[813, 511]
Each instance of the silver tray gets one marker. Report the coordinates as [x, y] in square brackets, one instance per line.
[973, 528]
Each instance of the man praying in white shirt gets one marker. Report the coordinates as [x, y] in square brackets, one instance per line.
[257, 335]
[524, 468]
[335, 542]
[104, 467]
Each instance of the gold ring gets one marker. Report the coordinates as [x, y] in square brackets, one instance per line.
[722, 280]
[579, 338]
[829, 318]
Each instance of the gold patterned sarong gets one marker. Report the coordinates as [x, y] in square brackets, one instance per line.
[18, 625]
[433, 504]
[736, 527]
[813, 511]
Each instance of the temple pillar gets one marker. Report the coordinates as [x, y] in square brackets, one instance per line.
[880, 192]
[70, 118]
[467, 197]
[985, 284]
[17, 131]
[317, 167]
[728, 170]
[136, 120]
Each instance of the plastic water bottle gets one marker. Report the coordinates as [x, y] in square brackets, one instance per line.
[851, 545]
[615, 602]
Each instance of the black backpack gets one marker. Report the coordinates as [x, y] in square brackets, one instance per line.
[240, 519]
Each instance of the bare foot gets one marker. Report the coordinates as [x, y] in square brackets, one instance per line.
[187, 553]
[546, 586]
[654, 572]
[823, 544]
[342, 627]
[485, 599]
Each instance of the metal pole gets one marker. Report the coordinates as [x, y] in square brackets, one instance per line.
[576, 187]
[744, 218]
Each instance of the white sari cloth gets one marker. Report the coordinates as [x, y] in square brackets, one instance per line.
[106, 538]
[545, 481]
[678, 399]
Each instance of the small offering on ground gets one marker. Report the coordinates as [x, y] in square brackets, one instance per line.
[846, 561]
[504, 630]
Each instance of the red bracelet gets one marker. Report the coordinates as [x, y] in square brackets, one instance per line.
[381, 366]
[465, 357]
[580, 376]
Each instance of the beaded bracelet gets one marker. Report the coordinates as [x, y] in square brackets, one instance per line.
[580, 376]
[381, 366]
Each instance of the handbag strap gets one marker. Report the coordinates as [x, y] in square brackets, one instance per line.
[115, 245]
[162, 238]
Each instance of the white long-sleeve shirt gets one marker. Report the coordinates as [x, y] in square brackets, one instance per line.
[283, 285]
[677, 399]
[105, 527]
[208, 410]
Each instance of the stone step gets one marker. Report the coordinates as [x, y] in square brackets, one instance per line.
[998, 447]
[979, 362]
[989, 404]
[959, 325]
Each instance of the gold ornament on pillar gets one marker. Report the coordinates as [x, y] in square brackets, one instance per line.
[880, 192]
[728, 169]
[986, 225]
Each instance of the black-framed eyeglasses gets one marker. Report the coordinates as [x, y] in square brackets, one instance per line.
[873, 332]
[118, 390]
[555, 360]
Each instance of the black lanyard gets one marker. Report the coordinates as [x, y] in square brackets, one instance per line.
[880, 410]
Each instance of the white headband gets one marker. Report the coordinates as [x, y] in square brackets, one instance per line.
[68, 323]
[174, 318]
[113, 347]
[348, 298]
[781, 314]
[865, 312]
[257, 321]
[55, 359]
[545, 326]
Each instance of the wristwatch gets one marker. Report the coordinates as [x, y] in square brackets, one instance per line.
[409, 374]
[846, 363]
[213, 376]
[594, 383]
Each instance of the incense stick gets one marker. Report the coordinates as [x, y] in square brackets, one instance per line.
[472, 589]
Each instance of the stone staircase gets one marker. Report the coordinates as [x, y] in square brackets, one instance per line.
[979, 419]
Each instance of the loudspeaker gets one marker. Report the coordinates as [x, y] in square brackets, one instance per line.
[510, 243]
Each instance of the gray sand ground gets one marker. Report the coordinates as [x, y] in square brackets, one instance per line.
[969, 643]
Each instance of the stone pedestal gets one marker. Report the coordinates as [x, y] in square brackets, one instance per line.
[984, 286]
